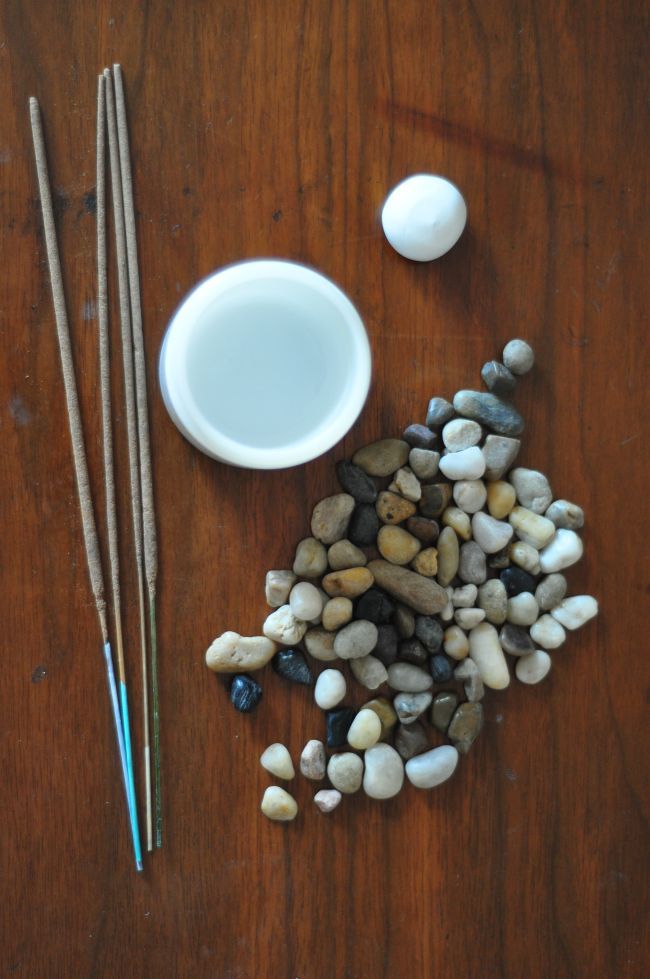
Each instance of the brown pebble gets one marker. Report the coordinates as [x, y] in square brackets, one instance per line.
[349, 583]
[423, 528]
[426, 562]
[393, 509]
[435, 498]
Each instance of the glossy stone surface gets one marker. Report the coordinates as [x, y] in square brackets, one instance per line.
[245, 693]
[292, 665]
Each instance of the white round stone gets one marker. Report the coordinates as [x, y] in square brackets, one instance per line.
[327, 799]
[491, 535]
[573, 612]
[533, 667]
[345, 772]
[365, 730]
[320, 644]
[532, 488]
[305, 601]
[466, 464]
[524, 556]
[522, 609]
[518, 356]
[384, 774]
[470, 495]
[278, 805]
[282, 626]
[423, 217]
[564, 550]
[485, 649]
[356, 639]
[469, 618]
[433, 767]
[465, 596]
[408, 678]
[547, 632]
[277, 760]
[369, 671]
[461, 433]
[330, 689]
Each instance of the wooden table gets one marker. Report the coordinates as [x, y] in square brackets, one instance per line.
[277, 128]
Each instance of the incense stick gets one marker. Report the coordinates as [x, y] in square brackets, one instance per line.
[91, 541]
[131, 421]
[148, 512]
[107, 432]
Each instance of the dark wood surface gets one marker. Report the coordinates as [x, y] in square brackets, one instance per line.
[277, 128]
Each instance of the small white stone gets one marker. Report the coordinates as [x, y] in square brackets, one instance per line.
[345, 771]
[277, 587]
[313, 761]
[384, 775]
[327, 799]
[424, 462]
[468, 618]
[575, 611]
[491, 535]
[365, 730]
[369, 671]
[433, 767]
[532, 488]
[518, 356]
[522, 609]
[455, 642]
[485, 649]
[409, 706]
[531, 528]
[320, 644]
[465, 596]
[330, 689]
[461, 433]
[534, 667]
[305, 601]
[567, 515]
[277, 760]
[525, 556]
[278, 805]
[408, 678]
[406, 484]
[547, 632]
[467, 464]
[564, 550]
[424, 216]
[282, 626]
[232, 653]
[470, 494]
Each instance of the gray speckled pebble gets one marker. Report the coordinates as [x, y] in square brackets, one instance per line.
[472, 567]
[532, 488]
[500, 452]
[518, 356]
[566, 515]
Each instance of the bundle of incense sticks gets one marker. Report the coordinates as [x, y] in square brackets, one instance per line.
[111, 117]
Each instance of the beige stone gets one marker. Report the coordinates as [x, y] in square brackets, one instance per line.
[393, 509]
[232, 653]
[337, 612]
[397, 545]
[501, 498]
[426, 562]
[448, 556]
[349, 583]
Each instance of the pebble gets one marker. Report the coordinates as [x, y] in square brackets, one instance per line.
[464, 597]
[432, 768]
[407, 484]
[550, 591]
[345, 772]
[356, 639]
[387, 642]
[384, 774]
[408, 678]
[534, 667]
[245, 693]
[311, 558]
[468, 618]
[460, 433]
[282, 626]
[277, 586]
[277, 760]
[515, 640]
[365, 730]
[424, 462]
[305, 601]
[412, 651]
[564, 550]
[292, 665]
[491, 411]
[524, 556]
[434, 500]
[369, 671]
[567, 516]
[429, 632]
[500, 452]
[338, 723]
[441, 669]
[330, 689]
[442, 709]
[385, 712]
[404, 620]
[426, 562]
[425, 529]
[336, 613]
[447, 613]
[382, 458]
[448, 556]
[469, 674]
[516, 580]
[531, 527]
[419, 593]
[466, 464]
[278, 805]
[231, 652]
[363, 526]
[344, 554]
[523, 609]
[419, 437]
[320, 644]
[439, 411]
[327, 799]
[493, 599]
[409, 706]
[313, 762]
[411, 740]
[486, 651]
[376, 606]
[348, 583]
[465, 726]
[356, 482]
[492, 535]
[471, 566]
[498, 379]
[470, 494]
[499, 560]
[397, 545]
[330, 518]
[547, 632]
[392, 508]
[455, 642]
[501, 498]
[518, 356]
[532, 488]
[575, 611]
[458, 520]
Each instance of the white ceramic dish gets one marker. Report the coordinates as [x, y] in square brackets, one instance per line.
[265, 364]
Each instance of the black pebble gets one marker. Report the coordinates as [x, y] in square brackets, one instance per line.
[429, 632]
[387, 643]
[420, 437]
[292, 665]
[413, 651]
[498, 379]
[516, 640]
[517, 580]
[376, 606]
[355, 482]
[364, 525]
[245, 693]
[441, 669]
[339, 722]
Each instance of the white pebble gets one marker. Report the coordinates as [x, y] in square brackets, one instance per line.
[408, 678]
[467, 464]
[345, 772]
[409, 706]
[532, 488]
[277, 760]
[469, 618]
[534, 667]
[485, 649]
[455, 642]
[278, 805]
[573, 612]
[491, 535]
[384, 774]
[365, 730]
[567, 515]
[356, 639]
[369, 671]
[305, 601]
[406, 483]
[277, 587]
[313, 762]
[524, 556]
[433, 767]
[564, 550]
[522, 609]
[547, 632]
[470, 494]
[518, 356]
[465, 596]
[424, 216]
[461, 433]
[282, 626]
[327, 799]
[330, 689]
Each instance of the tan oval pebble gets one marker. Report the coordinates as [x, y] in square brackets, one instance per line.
[313, 761]
[310, 560]
[344, 554]
[419, 593]
[397, 545]
[278, 805]
[426, 562]
[448, 556]
[319, 643]
[382, 458]
[277, 587]
[393, 509]
[486, 651]
[530, 527]
[345, 772]
[327, 799]
[501, 498]
[331, 516]
[277, 760]
[365, 730]
[459, 521]
[232, 653]
[356, 639]
[369, 671]
[384, 774]
[337, 612]
[349, 583]
[524, 556]
[455, 642]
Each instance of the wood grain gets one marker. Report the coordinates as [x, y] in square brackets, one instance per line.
[276, 128]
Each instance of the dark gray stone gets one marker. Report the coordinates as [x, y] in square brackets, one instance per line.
[412, 651]
[245, 693]
[495, 414]
[292, 665]
[497, 379]
[386, 649]
[472, 566]
[429, 632]
[516, 640]
[376, 606]
[411, 740]
[364, 525]
[356, 482]
[438, 413]
[419, 437]
[442, 709]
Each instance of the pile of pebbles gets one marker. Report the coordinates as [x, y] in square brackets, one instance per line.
[435, 573]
